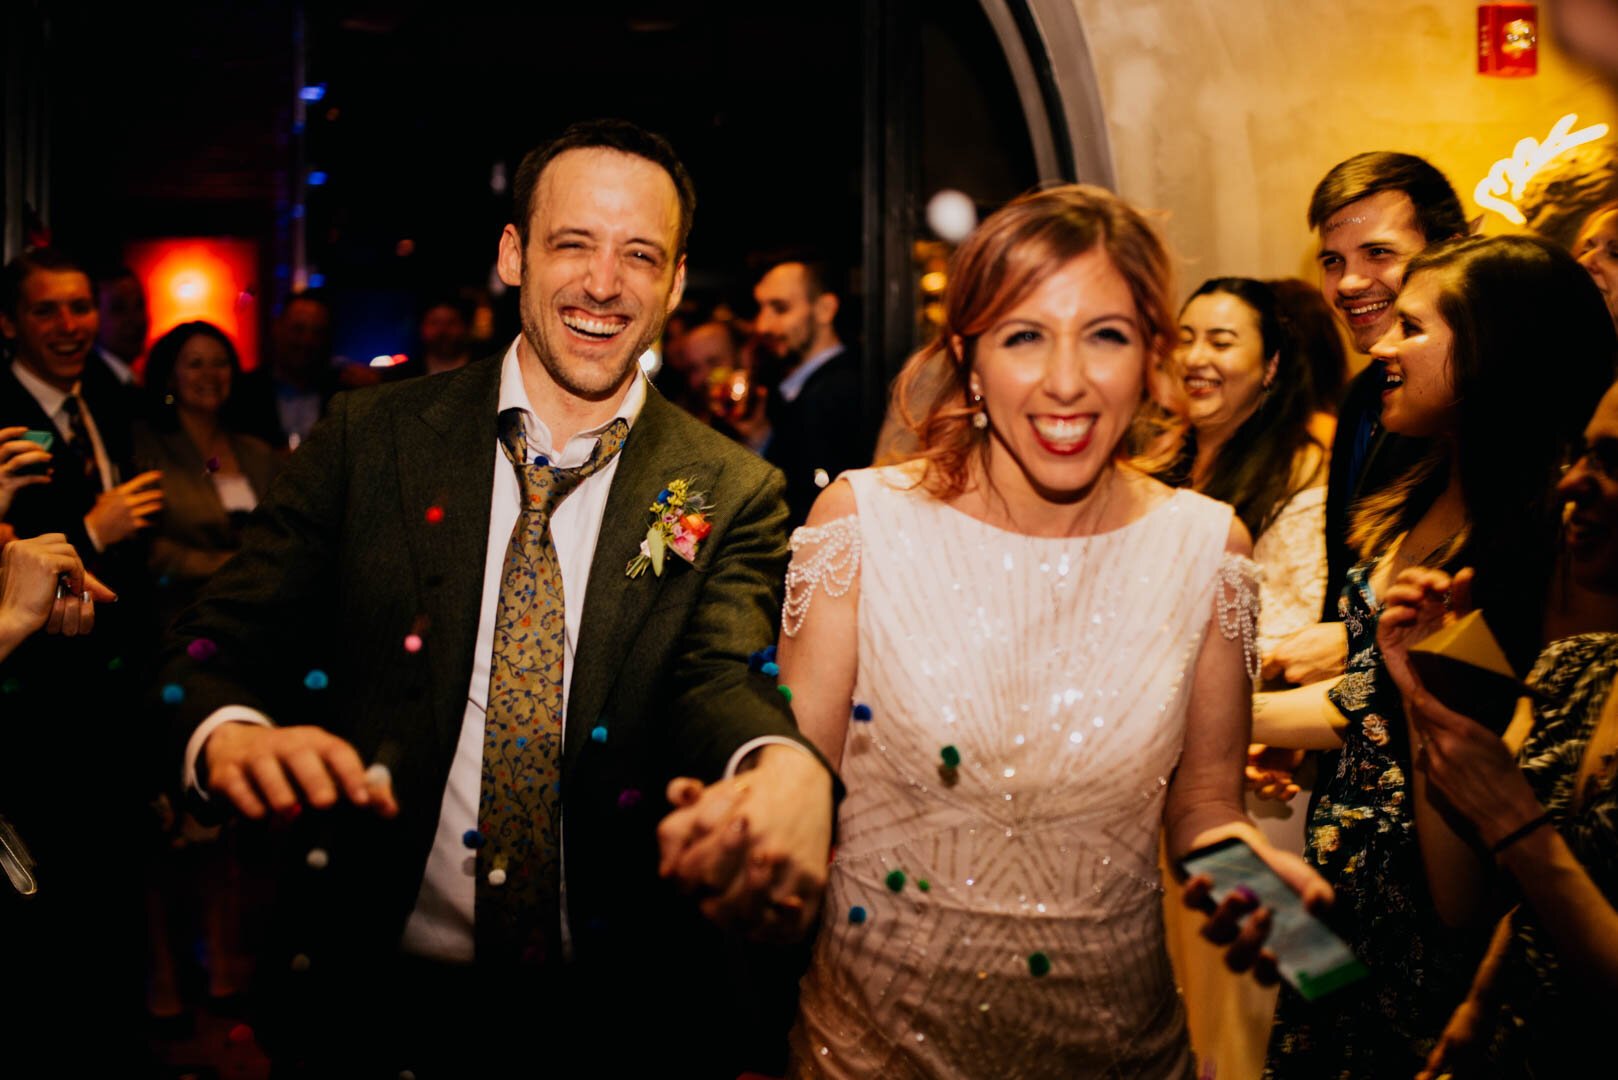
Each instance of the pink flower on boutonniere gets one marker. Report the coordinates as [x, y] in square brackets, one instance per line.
[679, 523]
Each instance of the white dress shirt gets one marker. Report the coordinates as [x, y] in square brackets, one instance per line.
[792, 385]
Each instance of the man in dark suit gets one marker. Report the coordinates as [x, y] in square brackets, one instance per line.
[56, 693]
[1372, 212]
[816, 426]
[379, 593]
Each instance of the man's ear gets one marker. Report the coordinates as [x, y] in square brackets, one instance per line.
[825, 308]
[1270, 369]
[509, 262]
[678, 291]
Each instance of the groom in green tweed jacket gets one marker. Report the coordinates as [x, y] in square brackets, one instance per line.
[360, 624]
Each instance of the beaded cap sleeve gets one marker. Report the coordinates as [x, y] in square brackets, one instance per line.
[1236, 605]
[995, 904]
[825, 558]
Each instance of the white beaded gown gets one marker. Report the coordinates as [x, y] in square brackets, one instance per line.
[1002, 918]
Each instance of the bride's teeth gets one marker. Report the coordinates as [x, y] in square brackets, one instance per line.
[1366, 309]
[1063, 430]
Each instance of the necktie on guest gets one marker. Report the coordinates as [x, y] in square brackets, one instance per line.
[73, 406]
[517, 919]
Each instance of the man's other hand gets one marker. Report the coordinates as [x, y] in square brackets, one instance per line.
[755, 846]
[263, 769]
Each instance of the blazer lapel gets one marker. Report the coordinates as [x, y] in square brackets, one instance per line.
[446, 478]
[614, 603]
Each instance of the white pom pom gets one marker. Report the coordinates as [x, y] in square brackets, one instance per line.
[951, 215]
[497, 876]
[317, 858]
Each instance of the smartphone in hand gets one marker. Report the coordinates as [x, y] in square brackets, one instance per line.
[1313, 960]
[45, 440]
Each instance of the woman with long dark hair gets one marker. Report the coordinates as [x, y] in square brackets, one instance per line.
[1249, 406]
[1501, 348]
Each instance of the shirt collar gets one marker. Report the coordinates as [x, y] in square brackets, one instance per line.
[513, 395]
[49, 397]
[792, 385]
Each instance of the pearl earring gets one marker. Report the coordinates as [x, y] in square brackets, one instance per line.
[980, 419]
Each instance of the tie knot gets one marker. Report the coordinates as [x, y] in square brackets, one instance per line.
[545, 486]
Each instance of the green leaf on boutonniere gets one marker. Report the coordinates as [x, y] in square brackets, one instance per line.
[656, 545]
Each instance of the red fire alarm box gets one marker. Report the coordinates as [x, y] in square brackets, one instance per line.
[1508, 39]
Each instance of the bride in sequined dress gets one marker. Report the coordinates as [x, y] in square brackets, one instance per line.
[1029, 661]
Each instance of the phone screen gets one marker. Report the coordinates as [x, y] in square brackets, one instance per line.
[1313, 960]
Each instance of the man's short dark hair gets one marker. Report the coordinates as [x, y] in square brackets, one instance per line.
[819, 276]
[1438, 212]
[620, 135]
[18, 270]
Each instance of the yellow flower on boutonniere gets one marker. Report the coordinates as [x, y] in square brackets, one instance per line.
[679, 524]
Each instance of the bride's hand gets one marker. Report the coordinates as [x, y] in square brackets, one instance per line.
[1241, 926]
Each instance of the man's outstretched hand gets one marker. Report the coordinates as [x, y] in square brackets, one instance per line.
[274, 769]
[754, 846]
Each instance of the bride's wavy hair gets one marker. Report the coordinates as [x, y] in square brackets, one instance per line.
[1001, 264]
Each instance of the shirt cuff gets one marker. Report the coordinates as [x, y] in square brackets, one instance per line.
[239, 714]
[743, 750]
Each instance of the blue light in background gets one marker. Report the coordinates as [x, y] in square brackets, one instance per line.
[313, 93]
[316, 178]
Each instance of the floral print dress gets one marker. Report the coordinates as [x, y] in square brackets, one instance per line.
[1362, 838]
[1544, 1023]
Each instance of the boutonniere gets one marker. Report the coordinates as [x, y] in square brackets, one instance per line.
[679, 524]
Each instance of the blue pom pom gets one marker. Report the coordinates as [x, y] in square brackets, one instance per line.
[316, 680]
[755, 660]
[862, 712]
[856, 914]
[772, 669]
[769, 652]
[598, 734]
[663, 496]
[173, 694]
[472, 839]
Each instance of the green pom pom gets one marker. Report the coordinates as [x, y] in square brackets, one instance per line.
[924, 885]
[951, 756]
[896, 880]
[786, 692]
[1039, 965]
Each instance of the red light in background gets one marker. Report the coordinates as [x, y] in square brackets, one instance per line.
[205, 278]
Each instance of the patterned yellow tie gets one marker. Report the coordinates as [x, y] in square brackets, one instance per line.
[518, 918]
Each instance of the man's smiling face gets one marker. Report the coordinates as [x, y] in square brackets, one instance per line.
[1363, 251]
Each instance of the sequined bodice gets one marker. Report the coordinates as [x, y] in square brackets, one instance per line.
[1001, 917]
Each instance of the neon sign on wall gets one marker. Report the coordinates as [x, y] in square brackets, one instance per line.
[1507, 177]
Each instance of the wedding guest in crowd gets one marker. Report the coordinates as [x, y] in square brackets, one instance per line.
[1249, 404]
[1467, 314]
[1540, 800]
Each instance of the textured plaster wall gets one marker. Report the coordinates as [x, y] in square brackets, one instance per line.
[1225, 113]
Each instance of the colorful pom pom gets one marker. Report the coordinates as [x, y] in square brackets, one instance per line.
[472, 838]
[951, 756]
[856, 914]
[598, 734]
[317, 859]
[895, 880]
[173, 694]
[924, 885]
[770, 668]
[316, 680]
[435, 514]
[1039, 965]
[786, 692]
[497, 876]
[202, 650]
[629, 798]
[862, 712]
[412, 643]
